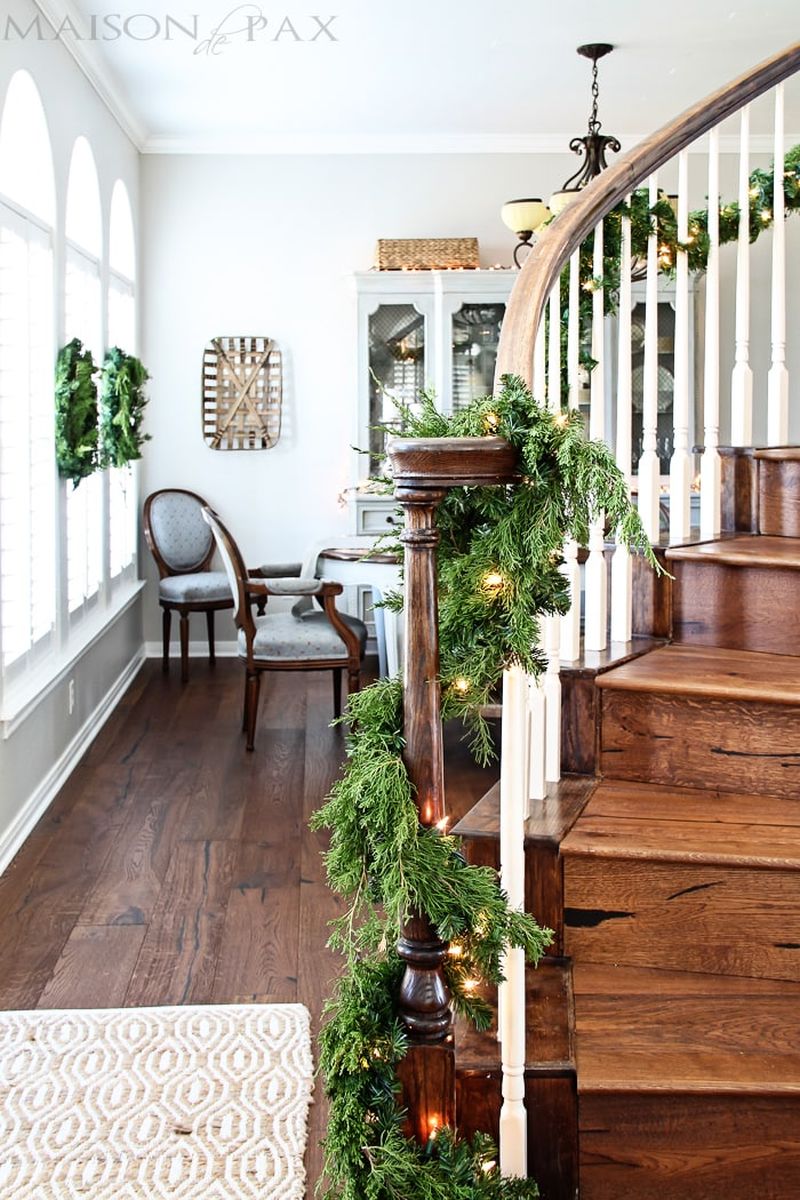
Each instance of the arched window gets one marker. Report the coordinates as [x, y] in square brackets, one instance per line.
[27, 346]
[122, 506]
[84, 234]
[122, 272]
[83, 318]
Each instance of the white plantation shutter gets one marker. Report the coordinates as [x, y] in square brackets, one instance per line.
[122, 491]
[82, 319]
[27, 465]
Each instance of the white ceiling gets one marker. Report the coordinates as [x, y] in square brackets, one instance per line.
[418, 75]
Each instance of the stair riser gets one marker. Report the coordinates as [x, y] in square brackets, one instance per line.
[661, 1146]
[739, 921]
[731, 745]
[779, 497]
[552, 1134]
[543, 881]
[753, 608]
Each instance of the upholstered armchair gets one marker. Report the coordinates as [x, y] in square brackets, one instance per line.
[308, 638]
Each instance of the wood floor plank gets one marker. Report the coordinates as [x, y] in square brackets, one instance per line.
[260, 947]
[40, 908]
[94, 968]
[179, 954]
[128, 887]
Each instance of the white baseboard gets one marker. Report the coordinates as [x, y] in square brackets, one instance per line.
[39, 801]
[196, 650]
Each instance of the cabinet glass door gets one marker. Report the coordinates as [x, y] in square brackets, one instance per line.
[474, 342]
[396, 370]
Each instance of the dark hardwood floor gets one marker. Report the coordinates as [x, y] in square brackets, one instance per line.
[175, 868]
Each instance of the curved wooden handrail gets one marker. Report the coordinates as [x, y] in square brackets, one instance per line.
[552, 251]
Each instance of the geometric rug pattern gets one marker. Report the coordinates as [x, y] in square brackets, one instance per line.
[185, 1103]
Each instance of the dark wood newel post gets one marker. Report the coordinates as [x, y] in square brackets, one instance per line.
[423, 470]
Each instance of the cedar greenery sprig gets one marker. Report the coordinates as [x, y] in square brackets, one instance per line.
[498, 568]
[385, 865]
[76, 412]
[515, 534]
[122, 403]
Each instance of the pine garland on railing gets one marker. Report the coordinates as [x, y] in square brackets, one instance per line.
[662, 220]
[122, 403]
[76, 412]
[498, 567]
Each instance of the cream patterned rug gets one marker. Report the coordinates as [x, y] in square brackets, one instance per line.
[192, 1103]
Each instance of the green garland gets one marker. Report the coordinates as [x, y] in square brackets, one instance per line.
[122, 403]
[498, 569]
[661, 219]
[76, 412]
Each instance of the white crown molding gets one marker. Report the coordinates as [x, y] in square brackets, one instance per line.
[356, 144]
[91, 63]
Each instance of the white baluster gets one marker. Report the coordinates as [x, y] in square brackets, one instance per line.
[621, 571]
[742, 378]
[680, 467]
[537, 741]
[554, 352]
[710, 484]
[649, 469]
[596, 621]
[778, 381]
[513, 1117]
[571, 621]
[551, 686]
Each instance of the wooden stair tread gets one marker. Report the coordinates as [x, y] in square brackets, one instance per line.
[667, 824]
[750, 550]
[712, 672]
[549, 820]
[548, 1033]
[644, 1030]
[778, 453]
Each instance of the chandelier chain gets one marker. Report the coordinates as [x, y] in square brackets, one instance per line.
[594, 124]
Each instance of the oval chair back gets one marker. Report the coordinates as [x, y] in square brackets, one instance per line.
[183, 546]
[236, 571]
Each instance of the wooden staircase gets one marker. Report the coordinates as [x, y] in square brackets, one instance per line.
[664, 1033]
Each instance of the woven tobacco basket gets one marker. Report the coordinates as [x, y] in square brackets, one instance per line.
[242, 393]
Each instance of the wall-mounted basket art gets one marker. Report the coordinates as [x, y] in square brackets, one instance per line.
[426, 254]
[242, 393]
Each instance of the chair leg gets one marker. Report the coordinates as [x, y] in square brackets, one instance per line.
[184, 647]
[212, 658]
[166, 621]
[353, 680]
[253, 686]
[337, 692]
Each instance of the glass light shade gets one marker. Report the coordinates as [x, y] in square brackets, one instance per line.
[559, 200]
[524, 216]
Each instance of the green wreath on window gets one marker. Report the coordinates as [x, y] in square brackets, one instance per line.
[122, 402]
[76, 412]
